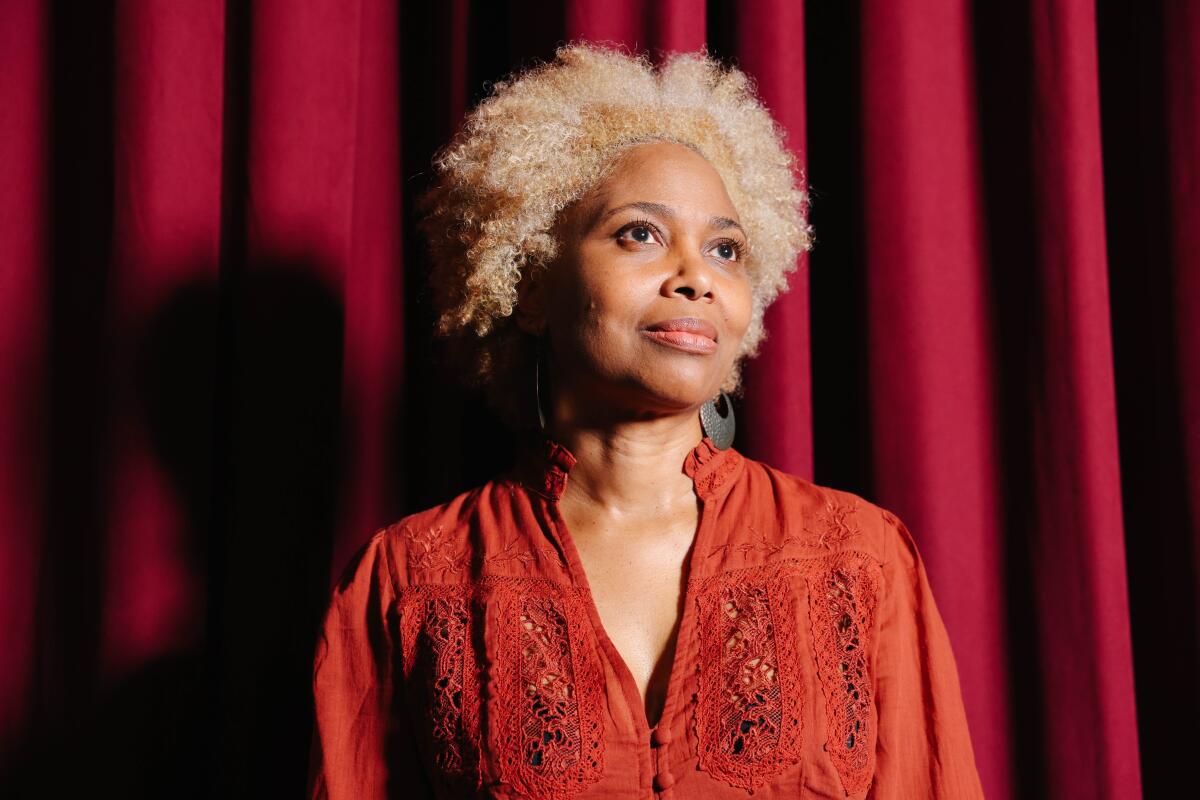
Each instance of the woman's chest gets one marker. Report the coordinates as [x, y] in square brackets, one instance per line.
[513, 689]
[637, 585]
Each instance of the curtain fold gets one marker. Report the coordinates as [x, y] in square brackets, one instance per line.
[23, 191]
[1090, 729]
[929, 334]
[217, 376]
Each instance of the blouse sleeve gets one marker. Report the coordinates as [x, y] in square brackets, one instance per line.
[361, 743]
[923, 748]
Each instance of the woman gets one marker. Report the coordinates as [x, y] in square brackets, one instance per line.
[635, 609]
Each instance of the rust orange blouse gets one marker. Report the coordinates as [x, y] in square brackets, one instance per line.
[462, 656]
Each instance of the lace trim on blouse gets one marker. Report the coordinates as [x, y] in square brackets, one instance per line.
[548, 714]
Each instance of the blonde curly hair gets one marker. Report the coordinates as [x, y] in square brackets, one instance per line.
[541, 140]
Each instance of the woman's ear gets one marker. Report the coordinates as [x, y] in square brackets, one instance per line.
[531, 306]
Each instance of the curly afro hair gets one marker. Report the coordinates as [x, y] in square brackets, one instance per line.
[540, 141]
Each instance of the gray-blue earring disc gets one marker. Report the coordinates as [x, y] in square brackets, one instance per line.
[716, 418]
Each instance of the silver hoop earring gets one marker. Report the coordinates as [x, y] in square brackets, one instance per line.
[537, 382]
[717, 420]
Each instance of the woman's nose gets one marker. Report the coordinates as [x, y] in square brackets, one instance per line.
[691, 278]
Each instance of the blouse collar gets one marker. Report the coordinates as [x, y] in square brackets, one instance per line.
[547, 463]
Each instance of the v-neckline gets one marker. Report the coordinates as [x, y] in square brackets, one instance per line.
[710, 468]
[687, 621]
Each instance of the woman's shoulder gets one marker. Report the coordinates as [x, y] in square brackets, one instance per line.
[451, 542]
[825, 519]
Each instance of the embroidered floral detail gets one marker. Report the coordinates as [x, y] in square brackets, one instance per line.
[760, 544]
[552, 690]
[558, 461]
[748, 717]
[429, 550]
[832, 525]
[556, 482]
[843, 592]
[512, 552]
[709, 481]
[756, 542]
[441, 674]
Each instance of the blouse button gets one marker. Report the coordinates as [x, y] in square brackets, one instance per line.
[659, 737]
[663, 781]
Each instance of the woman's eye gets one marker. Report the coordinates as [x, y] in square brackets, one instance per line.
[728, 251]
[639, 232]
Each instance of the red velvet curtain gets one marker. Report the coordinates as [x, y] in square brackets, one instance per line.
[216, 375]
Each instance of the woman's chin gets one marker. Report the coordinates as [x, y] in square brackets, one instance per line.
[682, 394]
[659, 386]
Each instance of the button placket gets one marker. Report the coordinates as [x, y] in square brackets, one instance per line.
[660, 741]
[710, 469]
[663, 781]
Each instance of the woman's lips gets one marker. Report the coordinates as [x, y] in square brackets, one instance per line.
[690, 342]
[688, 334]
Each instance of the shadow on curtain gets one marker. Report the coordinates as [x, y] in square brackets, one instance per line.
[217, 377]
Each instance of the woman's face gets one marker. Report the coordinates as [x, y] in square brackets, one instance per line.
[649, 300]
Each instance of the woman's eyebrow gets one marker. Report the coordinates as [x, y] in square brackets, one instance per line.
[642, 205]
[723, 223]
[717, 222]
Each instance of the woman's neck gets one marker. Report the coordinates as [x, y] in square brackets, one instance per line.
[633, 470]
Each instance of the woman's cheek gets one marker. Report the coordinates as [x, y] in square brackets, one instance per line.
[591, 334]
